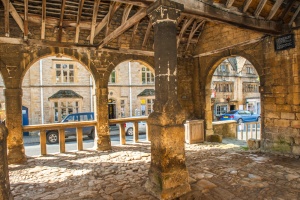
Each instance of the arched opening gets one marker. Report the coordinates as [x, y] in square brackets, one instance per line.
[58, 89]
[131, 85]
[232, 93]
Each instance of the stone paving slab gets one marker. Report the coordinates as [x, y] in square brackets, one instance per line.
[217, 172]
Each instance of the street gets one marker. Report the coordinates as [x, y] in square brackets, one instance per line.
[71, 144]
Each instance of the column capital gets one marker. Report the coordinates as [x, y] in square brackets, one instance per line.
[164, 11]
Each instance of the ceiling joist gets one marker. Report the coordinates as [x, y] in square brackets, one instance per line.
[94, 20]
[62, 11]
[81, 2]
[274, 9]
[259, 8]
[121, 29]
[43, 29]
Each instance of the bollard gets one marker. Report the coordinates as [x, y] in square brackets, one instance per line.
[5, 193]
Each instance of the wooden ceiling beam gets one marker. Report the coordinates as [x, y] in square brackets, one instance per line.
[259, 8]
[43, 29]
[112, 11]
[6, 17]
[134, 32]
[246, 5]
[25, 20]
[229, 3]
[186, 24]
[94, 20]
[81, 2]
[9, 8]
[147, 34]
[274, 9]
[287, 10]
[193, 31]
[134, 3]
[126, 13]
[62, 12]
[104, 21]
[294, 16]
[121, 29]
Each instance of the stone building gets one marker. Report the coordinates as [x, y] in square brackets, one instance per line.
[55, 87]
[235, 86]
[184, 41]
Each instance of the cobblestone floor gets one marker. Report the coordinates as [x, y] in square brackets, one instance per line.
[217, 171]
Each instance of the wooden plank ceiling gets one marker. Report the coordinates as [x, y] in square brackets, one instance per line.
[124, 24]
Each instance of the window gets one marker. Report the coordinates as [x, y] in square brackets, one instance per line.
[112, 77]
[147, 76]
[249, 70]
[64, 73]
[224, 87]
[64, 108]
[221, 109]
[150, 103]
[250, 87]
[122, 108]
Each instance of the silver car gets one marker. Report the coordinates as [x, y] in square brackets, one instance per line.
[129, 127]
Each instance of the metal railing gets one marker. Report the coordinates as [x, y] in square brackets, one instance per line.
[42, 128]
[248, 130]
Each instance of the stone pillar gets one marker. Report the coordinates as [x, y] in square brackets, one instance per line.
[13, 121]
[102, 139]
[168, 176]
[4, 178]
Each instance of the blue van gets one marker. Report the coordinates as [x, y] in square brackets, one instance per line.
[52, 135]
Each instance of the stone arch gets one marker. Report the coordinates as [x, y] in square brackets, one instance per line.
[82, 57]
[211, 67]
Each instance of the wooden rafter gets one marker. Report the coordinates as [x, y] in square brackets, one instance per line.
[134, 32]
[259, 8]
[62, 12]
[246, 5]
[43, 30]
[186, 24]
[287, 10]
[126, 13]
[229, 3]
[94, 20]
[134, 3]
[6, 17]
[193, 31]
[104, 21]
[81, 2]
[274, 9]
[9, 8]
[147, 34]
[112, 10]
[121, 29]
[294, 16]
[25, 19]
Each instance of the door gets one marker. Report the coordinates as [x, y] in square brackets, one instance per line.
[25, 119]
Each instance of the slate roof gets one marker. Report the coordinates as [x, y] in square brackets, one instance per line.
[65, 94]
[147, 92]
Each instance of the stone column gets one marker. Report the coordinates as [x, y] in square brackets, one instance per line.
[102, 139]
[4, 178]
[13, 121]
[168, 176]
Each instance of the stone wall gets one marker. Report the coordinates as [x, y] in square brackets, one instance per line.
[279, 78]
[225, 128]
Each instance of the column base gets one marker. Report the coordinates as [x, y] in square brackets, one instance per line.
[16, 155]
[155, 185]
[168, 176]
[103, 143]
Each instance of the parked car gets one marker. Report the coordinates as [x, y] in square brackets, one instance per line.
[240, 116]
[129, 127]
[52, 135]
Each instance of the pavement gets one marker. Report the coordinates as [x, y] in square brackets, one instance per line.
[217, 171]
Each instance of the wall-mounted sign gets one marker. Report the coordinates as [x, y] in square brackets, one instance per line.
[284, 42]
[143, 101]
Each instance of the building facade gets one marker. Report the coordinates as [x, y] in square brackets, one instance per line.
[235, 86]
[55, 87]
